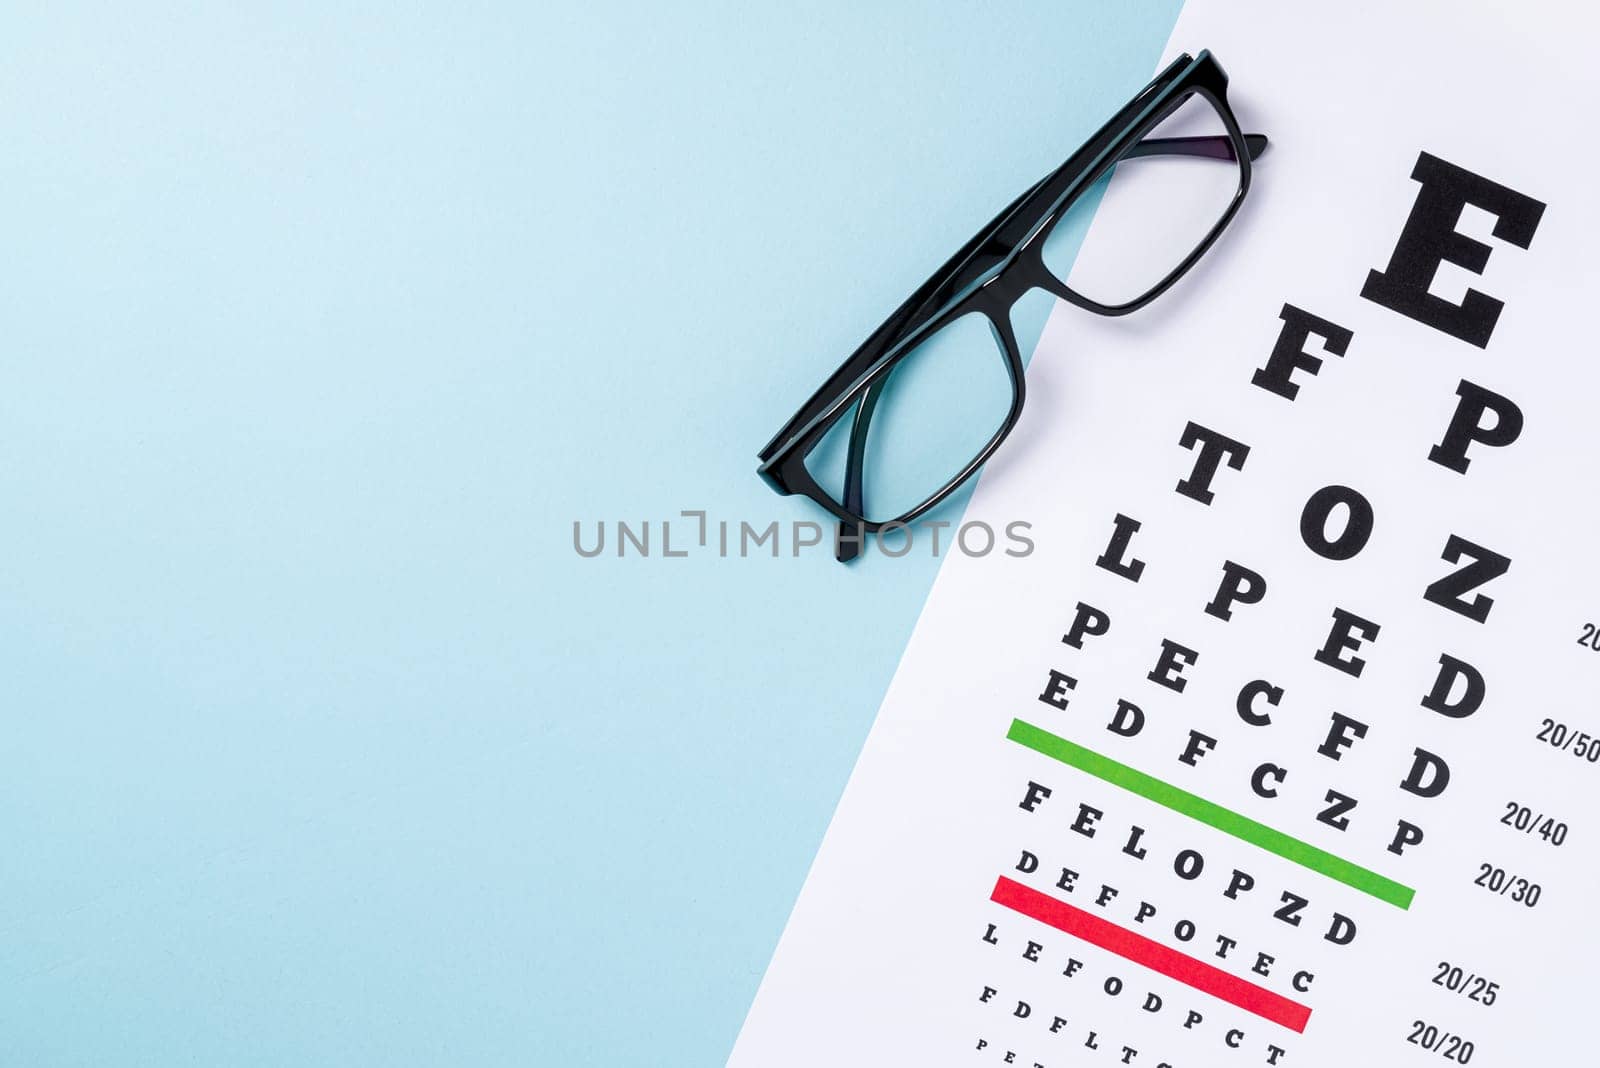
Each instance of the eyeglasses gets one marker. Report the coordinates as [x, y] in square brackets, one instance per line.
[929, 396]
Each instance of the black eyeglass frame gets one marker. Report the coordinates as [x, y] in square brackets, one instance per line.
[999, 265]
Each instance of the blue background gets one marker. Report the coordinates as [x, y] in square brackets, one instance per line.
[319, 327]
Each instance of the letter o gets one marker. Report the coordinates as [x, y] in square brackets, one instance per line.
[961, 537]
[1188, 864]
[883, 543]
[1357, 525]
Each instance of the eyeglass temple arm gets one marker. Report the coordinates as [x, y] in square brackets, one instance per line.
[1215, 147]
[848, 545]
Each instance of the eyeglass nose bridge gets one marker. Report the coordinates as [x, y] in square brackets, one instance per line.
[998, 295]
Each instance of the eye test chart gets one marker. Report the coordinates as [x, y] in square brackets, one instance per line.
[1284, 746]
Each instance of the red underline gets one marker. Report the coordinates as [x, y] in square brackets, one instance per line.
[1150, 953]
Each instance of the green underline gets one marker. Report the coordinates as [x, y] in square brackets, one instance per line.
[1213, 815]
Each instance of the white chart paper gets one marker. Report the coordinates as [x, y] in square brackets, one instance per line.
[1357, 822]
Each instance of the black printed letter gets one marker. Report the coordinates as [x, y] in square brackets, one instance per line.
[1289, 353]
[1430, 239]
[1214, 448]
[1484, 564]
[1466, 426]
[1357, 523]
